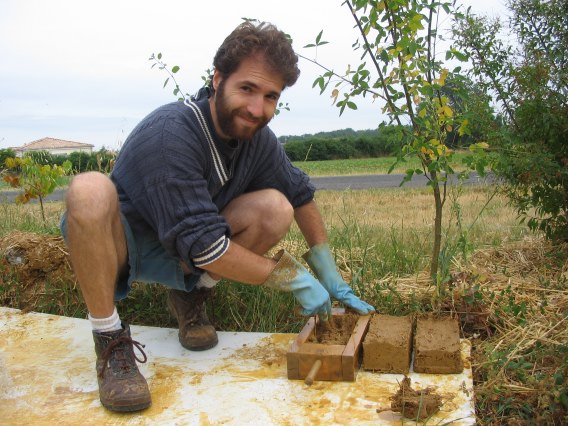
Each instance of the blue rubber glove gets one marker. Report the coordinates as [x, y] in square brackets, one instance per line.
[290, 275]
[321, 261]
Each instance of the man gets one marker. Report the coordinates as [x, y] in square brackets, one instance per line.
[201, 191]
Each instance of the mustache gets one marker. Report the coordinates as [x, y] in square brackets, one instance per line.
[248, 116]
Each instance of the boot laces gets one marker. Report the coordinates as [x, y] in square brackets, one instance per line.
[121, 354]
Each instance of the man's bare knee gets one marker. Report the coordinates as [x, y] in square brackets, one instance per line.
[91, 196]
[279, 208]
[259, 219]
[274, 215]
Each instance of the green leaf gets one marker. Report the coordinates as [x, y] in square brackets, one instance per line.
[413, 47]
[175, 69]
[318, 38]
[317, 81]
[166, 82]
[67, 165]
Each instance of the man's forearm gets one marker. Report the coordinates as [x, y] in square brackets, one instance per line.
[310, 222]
[242, 265]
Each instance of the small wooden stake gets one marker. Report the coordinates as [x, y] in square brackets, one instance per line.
[313, 372]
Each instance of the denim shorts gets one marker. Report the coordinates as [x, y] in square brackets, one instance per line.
[148, 262]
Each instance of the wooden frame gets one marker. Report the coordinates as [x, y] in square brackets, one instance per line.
[338, 362]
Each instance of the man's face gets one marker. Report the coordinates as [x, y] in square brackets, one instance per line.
[245, 101]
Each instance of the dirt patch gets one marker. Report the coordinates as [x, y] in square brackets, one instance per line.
[35, 261]
[337, 331]
[387, 347]
[268, 351]
[415, 405]
[437, 348]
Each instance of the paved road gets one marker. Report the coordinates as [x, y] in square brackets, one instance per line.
[335, 183]
[340, 183]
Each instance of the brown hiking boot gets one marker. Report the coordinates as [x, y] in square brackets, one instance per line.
[195, 331]
[121, 386]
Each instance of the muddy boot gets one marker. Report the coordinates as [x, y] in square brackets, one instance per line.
[195, 331]
[121, 386]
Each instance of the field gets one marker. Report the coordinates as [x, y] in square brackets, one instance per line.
[364, 166]
[507, 286]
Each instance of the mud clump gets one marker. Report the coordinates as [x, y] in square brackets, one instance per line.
[336, 331]
[39, 267]
[415, 405]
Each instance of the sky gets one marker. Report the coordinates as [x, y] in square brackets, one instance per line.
[79, 70]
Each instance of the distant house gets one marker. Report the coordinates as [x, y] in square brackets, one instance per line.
[53, 146]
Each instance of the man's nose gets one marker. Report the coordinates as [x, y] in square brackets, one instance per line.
[256, 106]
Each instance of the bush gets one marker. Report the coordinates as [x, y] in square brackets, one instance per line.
[5, 153]
[364, 144]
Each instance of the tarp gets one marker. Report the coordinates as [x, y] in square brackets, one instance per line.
[47, 376]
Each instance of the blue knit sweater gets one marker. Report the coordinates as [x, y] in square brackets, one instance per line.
[174, 175]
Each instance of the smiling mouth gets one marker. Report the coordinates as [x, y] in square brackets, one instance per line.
[251, 121]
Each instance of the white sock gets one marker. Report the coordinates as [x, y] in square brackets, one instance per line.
[102, 325]
[206, 281]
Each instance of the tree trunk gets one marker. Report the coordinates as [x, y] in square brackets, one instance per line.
[42, 211]
[437, 227]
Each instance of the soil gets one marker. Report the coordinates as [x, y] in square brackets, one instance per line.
[387, 347]
[35, 260]
[437, 348]
[415, 405]
[337, 331]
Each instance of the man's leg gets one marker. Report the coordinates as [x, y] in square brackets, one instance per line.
[96, 241]
[98, 252]
[258, 220]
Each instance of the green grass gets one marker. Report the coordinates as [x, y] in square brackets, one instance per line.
[362, 166]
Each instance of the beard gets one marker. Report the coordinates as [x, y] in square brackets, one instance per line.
[227, 117]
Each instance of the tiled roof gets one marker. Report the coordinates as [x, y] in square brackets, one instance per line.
[52, 143]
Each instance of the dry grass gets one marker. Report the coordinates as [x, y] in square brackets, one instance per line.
[413, 209]
[28, 217]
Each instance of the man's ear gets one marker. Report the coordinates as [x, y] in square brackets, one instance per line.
[216, 79]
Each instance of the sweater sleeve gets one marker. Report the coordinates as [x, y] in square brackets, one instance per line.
[278, 172]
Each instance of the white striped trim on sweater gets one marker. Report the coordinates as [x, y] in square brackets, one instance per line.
[219, 167]
[213, 252]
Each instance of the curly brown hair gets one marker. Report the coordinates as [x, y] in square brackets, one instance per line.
[265, 39]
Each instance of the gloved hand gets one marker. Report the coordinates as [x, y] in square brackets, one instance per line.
[321, 261]
[290, 275]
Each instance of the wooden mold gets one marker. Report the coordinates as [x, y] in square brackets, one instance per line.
[321, 361]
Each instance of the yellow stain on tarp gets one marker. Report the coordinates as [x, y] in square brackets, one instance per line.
[47, 376]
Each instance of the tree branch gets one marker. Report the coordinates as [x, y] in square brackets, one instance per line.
[387, 96]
